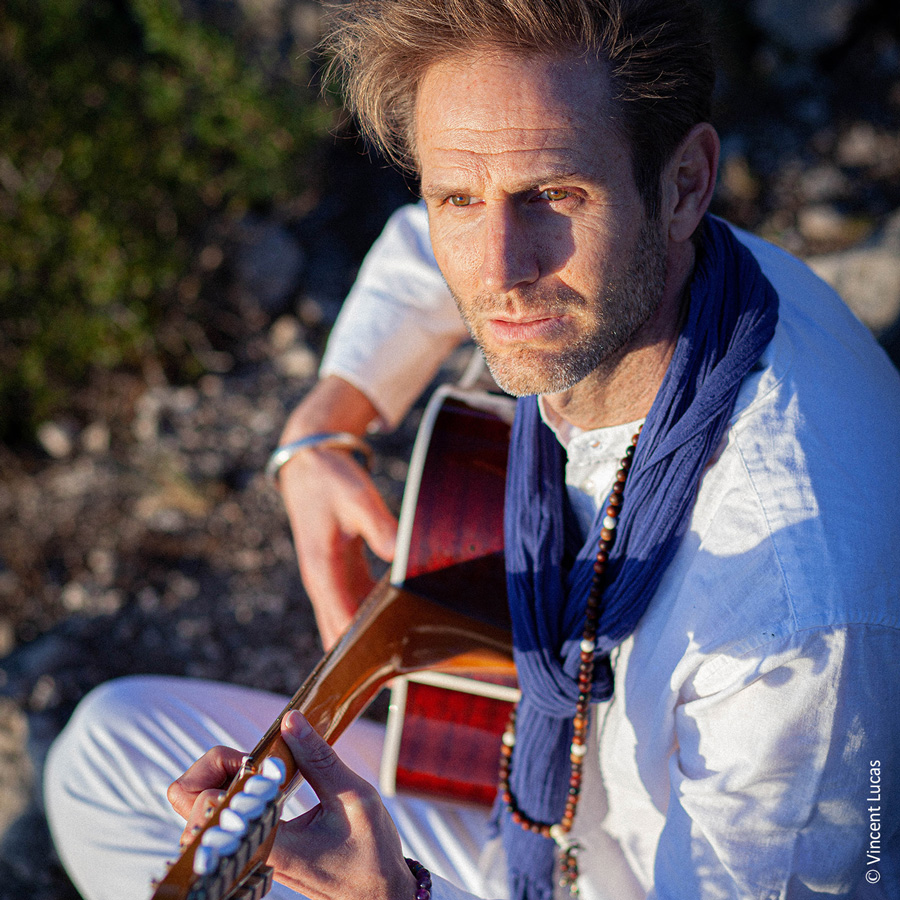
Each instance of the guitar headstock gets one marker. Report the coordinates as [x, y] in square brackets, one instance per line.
[226, 858]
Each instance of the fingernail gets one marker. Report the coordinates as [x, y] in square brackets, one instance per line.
[296, 724]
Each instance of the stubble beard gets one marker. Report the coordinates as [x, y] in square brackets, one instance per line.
[617, 318]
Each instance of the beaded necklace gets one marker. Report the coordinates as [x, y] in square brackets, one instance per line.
[559, 831]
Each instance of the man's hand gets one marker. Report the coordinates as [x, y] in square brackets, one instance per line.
[346, 846]
[200, 788]
[334, 507]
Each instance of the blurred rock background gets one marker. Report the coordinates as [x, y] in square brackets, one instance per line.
[180, 218]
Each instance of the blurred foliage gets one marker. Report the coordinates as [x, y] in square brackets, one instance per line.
[124, 130]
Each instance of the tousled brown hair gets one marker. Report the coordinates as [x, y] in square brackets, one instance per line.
[657, 52]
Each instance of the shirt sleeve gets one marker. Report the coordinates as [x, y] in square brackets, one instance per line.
[399, 321]
[786, 778]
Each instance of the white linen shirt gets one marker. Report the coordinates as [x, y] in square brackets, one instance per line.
[750, 748]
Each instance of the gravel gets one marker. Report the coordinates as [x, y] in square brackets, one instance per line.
[138, 535]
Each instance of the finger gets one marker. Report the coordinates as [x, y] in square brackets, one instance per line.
[318, 490]
[212, 771]
[336, 584]
[366, 514]
[316, 760]
[349, 493]
[204, 803]
[333, 569]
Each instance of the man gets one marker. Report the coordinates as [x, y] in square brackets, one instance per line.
[739, 640]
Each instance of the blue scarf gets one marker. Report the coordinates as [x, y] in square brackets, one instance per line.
[730, 319]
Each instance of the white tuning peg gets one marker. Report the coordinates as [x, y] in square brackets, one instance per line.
[232, 821]
[206, 859]
[273, 769]
[223, 842]
[248, 806]
[257, 786]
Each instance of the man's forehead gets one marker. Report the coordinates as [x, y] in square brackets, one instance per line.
[546, 113]
[563, 83]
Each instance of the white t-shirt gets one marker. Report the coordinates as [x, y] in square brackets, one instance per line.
[751, 747]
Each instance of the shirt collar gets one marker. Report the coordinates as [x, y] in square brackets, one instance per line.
[595, 442]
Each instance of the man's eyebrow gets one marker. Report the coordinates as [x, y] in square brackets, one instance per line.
[444, 188]
[437, 189]
[549, 176]
[557, 173]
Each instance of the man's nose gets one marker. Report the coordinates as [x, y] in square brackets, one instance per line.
[510, 258]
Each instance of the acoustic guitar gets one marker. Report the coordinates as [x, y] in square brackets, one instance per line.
[426, 615]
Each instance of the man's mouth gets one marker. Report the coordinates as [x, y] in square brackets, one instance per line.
[532, 328]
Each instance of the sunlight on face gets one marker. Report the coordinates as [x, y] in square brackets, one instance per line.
[535, 219]
[607, 325]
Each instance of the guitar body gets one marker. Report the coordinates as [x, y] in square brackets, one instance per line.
[443, 730]
[443, 608]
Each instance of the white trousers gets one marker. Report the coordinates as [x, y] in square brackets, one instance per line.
[107, 774]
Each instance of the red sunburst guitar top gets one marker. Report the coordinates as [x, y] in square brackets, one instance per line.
[443, 608]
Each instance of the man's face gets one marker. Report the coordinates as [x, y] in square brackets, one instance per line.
[535, 218]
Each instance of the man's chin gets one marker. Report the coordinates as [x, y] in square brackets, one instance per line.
[525, 374]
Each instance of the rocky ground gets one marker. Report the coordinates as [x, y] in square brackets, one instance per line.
[139, 534]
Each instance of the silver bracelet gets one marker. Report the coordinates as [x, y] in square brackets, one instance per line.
[340, 439]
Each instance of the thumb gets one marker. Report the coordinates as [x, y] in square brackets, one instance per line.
[315, 759]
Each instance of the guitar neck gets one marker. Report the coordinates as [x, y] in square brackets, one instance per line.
[396, 632]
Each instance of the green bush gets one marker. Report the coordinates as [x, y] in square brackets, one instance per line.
[124, 130]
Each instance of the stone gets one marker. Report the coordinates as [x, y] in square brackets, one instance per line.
[823, 183]
[16, 770]
[269, 262]
[822, 223]
[95, 438]
[56, 438]
[297, 362]
[286, 332]
[805, 26]
[869, 282]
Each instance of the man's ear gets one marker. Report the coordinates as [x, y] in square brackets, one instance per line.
[689, 180]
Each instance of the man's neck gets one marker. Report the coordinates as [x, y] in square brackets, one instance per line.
[623, 388]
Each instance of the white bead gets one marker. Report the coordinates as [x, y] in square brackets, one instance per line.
[232, 821]
[509, 739]
[579, 749]
[561, 836]
[588, 646]
[273, 769]
[610, 523]
[223, 842]
[247, 806]
[205, 860]
[261, 787]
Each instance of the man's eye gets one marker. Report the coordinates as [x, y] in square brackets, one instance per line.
[460, 200]
[554, 194]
